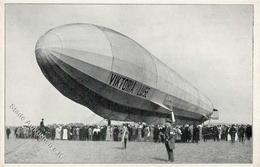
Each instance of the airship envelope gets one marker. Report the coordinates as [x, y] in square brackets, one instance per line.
[115, 77]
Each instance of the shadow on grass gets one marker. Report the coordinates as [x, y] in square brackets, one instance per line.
[119, 148]
[160, 159]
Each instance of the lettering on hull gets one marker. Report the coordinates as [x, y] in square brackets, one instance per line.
[128, 85]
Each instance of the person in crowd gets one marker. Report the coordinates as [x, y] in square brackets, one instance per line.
[47, 132]
[179, 133]
[191, 133]
[96, 133]
[21, 132]
[219, 131]
[109, 133]
[170, 136]
[120, 134]
[156, 134]
[204, 133]
[232, 132]
[30, 132]
[77, 133]
[81, 133]
[8, 132]
[52, 133]
[103, 130]
[134, 133]
[151, 133]
[143, 131]
[248, 132]
[42, 127]
[139, 132]
[241, 133]
[129, 127]
[74, 133]
[215, 133]
[58, 133]
[125, 136]
[112, 132]
[183, 137]
[33, 134]
[69, 133]
[187, 133]
[37, 135]
[15, 132]
[86, 133]
[65, 133]
[162, 134]
[224, 132]
[146, 133]
[196, 133]
[61, 132]
[115, 133]
[90, 134]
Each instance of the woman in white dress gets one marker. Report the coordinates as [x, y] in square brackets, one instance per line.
[108, 134]
[58, 133]
[65, 134]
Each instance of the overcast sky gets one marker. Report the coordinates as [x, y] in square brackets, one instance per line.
[209, 45]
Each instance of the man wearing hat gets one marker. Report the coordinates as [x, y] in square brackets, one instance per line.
[125, 136]
[42, 128]
[232, 132]
[170, 135]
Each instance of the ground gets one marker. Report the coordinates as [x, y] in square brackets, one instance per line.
[33, 151]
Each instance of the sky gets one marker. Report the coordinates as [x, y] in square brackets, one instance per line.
[209, 45]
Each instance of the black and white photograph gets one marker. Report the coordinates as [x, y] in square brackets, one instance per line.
[128, 83]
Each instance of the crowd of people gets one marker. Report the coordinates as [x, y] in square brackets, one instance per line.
[137, 132]
[216, 133]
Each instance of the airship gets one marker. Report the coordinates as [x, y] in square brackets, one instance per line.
[117, 78]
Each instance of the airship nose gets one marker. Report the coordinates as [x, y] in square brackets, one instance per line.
[48, 42]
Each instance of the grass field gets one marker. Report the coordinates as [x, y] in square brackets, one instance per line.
[33, 151]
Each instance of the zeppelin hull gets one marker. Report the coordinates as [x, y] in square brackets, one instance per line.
[115, 87]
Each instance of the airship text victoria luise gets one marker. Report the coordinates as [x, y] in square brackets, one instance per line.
[115, 77]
